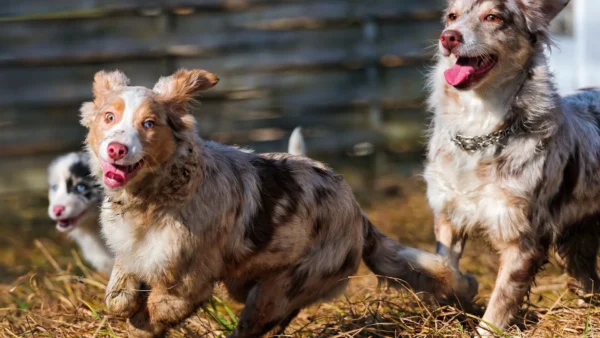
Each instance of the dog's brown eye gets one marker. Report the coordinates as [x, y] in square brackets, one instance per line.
[492, 18]
[452, 17]
[109, 117]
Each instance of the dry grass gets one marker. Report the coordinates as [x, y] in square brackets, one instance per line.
[46, 290]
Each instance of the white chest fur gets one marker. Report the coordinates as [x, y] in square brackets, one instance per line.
[467, 188]
[473, 195]
[145, 253]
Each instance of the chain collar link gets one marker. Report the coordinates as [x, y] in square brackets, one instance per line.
[476, 143]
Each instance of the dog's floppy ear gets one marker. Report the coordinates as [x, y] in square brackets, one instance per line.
[105, 82]
[538, 14]
[551, 8]
[180, 88]
[542, 11]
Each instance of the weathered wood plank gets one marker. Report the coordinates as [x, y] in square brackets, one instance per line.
[334, 87]
[111, 39]
[59, 42]
[60, 9]
[405, 40]
[324, 9]
[402, 86]
[60, 84]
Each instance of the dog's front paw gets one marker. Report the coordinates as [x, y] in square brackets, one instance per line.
[123, 296]
[484, 332]
[140, 326]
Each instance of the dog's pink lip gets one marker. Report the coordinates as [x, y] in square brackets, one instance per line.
[469, 69]
[117, 175]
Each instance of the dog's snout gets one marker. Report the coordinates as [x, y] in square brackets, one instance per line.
[450, 39]
[58, 210]
[117, 151]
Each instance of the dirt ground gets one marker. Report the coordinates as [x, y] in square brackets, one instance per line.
[47, 291]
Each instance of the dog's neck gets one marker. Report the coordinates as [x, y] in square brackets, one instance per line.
[173, 183]
[529, 99]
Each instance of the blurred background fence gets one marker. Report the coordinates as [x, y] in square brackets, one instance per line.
[350, 72]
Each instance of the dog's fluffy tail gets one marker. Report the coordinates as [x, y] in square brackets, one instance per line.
[420, 270]
[296, 144]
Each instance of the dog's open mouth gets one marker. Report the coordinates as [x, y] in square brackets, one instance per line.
[469, 70]
[116, 176]
[68, 224]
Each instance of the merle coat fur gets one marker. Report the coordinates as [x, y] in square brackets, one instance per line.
[537, 189]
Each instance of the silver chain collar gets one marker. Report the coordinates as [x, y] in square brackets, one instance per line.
[476, 143]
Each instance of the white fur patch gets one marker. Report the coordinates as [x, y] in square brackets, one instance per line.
[125, 132]
[146, 256]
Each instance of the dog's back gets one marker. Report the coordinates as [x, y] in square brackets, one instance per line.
[585, 103]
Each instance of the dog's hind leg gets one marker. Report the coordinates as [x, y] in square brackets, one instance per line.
[267, 307]
[579, 251]
[286, 322]
[519, 263]
[275, 301]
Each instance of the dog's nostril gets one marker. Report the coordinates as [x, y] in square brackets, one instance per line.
[117, 151]
[58, 210]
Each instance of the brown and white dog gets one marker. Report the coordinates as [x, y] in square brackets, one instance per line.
[507, 156]
[181, 214]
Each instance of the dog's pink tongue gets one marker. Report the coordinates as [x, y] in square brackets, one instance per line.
[460, 72]
[113, 176]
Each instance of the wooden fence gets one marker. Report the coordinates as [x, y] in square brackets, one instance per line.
[348, 71]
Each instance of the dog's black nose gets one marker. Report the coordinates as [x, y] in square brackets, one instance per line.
[450, 39]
